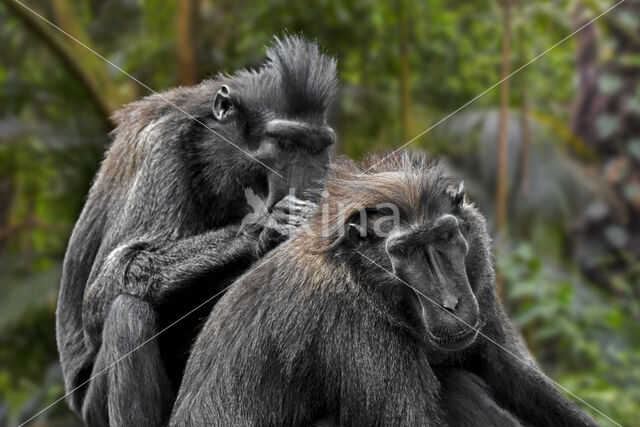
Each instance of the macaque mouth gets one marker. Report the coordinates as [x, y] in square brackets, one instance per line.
[454, 341]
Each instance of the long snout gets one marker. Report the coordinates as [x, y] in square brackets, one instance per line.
[278, 189]
[298, 155]
[299, 173]
[442, 287]
[456, 300]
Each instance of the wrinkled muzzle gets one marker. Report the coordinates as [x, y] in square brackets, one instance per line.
[299, 173]
[298, 154]
[436, 273]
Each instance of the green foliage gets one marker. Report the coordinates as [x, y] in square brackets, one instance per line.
[585, 340]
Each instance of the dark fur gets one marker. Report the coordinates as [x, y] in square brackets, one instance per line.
[318, 334]
[467, 401]
[159, 232]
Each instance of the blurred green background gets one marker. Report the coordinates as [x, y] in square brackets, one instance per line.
[552, 157]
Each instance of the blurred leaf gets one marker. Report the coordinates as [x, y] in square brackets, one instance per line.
[616, 236]
[632, 193]
[22, 293]
[607, 125]
[634, 148]
[627, 20]
[609, 83]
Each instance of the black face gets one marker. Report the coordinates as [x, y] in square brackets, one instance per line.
[428, 265]
[431, 260]
[297, 152]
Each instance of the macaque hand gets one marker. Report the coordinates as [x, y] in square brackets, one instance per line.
[285, 219]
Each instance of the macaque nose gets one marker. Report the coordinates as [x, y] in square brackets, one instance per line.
[450, 303]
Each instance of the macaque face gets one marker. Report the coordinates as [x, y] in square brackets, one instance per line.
[425, 257]
[430, 258]
[295, 152]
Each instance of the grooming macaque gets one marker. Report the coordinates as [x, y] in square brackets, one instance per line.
[161, 229]
[363, 320]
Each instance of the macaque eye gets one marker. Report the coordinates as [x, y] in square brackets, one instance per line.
[222, 104]
[444, 237]
[464, 226]
[282, 143]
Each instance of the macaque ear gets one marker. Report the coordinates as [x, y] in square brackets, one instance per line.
[457, 194]
[355, 233]
[222, 104]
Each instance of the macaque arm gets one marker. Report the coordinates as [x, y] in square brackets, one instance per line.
[468, 402]
[158, 269]
[153, 270]
[129, 385]
[519, 385]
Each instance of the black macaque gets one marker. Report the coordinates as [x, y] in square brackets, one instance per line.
[162, 230]
[371, 315]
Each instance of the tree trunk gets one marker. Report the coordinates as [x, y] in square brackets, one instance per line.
[503, 131]
[405, 97]
[187, 43]
[525, 126]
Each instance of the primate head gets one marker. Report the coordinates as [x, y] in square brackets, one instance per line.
[263, 129]
[412, 242]
[277, 115]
